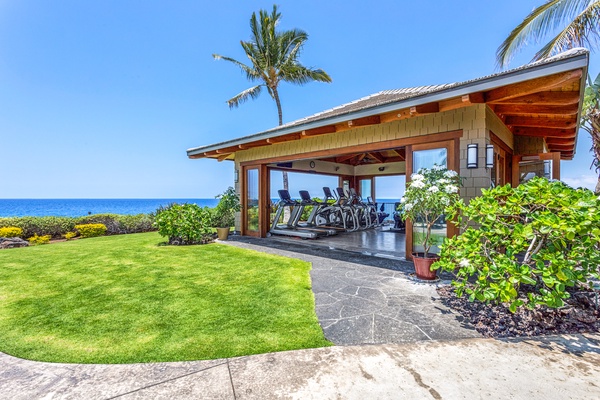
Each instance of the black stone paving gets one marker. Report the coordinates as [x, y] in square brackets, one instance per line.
[362, 299]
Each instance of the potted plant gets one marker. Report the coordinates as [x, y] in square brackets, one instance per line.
[224, 213]
[428, 194]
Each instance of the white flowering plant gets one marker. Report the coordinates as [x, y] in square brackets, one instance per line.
[427, 197]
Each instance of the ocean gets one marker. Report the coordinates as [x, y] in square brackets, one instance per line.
[81, 207]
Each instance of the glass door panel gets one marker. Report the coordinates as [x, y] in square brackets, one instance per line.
[427, 159]
[251, 200]
[365, 187]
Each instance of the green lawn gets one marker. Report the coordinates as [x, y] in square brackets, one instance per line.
[125, 299]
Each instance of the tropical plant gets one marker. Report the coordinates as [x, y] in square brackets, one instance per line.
[184, 224]
[591, 121]
[428, 194]
[224, 213]
[273, 56]
[577, 23]
[525, 245]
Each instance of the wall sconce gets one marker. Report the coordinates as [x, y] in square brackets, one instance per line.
[472, 155]
[381, 169]
[337, 168]
[236, 175]
[489, 156]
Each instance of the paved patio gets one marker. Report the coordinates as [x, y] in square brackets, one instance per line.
[367, 300]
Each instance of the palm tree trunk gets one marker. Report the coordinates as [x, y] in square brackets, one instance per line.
[278, 102]
[284, 175]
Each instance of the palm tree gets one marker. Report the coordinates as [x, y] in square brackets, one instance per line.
[578, 22]
[273, 58]
[591, 121]
[581, 17]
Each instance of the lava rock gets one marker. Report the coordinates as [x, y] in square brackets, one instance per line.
[9, 243]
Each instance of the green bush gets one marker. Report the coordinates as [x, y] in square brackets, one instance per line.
[184, 224]
[11, 231]
[58, 226]
[91, 230]
[525, 245]
[119, 224]
[223, 215]
[41, 226]
[35, 239]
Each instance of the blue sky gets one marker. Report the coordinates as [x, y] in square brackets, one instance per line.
[101, 99]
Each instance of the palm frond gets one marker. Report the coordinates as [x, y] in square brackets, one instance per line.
[301, 75]
[542, 20]
[581, 32]
[250, 72]
[240, 98]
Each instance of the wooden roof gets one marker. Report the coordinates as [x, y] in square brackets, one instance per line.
[541, 99]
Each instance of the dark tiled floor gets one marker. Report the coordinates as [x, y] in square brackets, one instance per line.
[379, 242]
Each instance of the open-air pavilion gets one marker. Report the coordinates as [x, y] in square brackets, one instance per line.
[498, 129]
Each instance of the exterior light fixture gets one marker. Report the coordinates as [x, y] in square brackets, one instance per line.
[489, 156]
[472, 155]
[236, 175]
[381, 169]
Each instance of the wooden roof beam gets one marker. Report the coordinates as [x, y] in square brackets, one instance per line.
[543, 122]
[345, 158]
[473, 98]
[401, 153]
[425, 109]
[223, 157]
[319, 131]
[284, 138]
[258, 143]
[522, 109]
[545, 132]
[545, 98]
[532, 86]
[378, 156]
[365, 121]
[551, 141]
[230, 149]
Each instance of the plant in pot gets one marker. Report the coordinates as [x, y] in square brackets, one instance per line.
[224, 213]
[428, 194]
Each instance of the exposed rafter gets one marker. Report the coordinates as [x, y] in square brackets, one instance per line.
[532, 86]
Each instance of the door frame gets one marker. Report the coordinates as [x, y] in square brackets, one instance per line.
[452, 147]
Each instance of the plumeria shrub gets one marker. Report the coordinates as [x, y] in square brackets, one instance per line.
[525, 245]
[184, 224]
[428, 194]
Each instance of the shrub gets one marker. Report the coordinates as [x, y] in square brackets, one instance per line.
[35, 239]
[428, 194]
[119, 224]
[91, 230]
[70, 235]
[53, 226]
[184, 224]
[525, 245]
[11, 231]
[223, 215]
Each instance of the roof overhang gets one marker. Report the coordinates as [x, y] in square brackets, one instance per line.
[542, 99]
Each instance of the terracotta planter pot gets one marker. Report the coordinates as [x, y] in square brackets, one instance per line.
[223, 233]
[423, 266]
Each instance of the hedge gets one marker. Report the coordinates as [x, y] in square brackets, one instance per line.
[58, 226]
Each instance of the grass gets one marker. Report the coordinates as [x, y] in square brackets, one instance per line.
[125, 299]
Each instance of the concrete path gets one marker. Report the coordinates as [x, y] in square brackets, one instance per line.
[367, 300]
[562, 367]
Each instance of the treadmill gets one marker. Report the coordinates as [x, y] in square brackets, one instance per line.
[288, 229]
